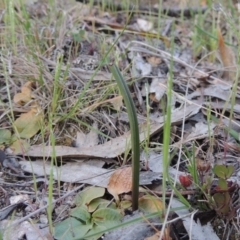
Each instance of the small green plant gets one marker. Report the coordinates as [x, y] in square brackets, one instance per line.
[92, 214]
[221, 192]
[211, 195]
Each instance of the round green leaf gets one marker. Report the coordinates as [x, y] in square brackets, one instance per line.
[222, 183]
[71, 229]
[222, 201]
[223, 171]
[95, 232]
[86, 196]
[81, 213]
[107, 217]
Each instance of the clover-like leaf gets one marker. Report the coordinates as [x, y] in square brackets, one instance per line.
[223, 171]
[222, 184]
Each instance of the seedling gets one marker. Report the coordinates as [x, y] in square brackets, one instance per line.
[221, 192]
[217, 197]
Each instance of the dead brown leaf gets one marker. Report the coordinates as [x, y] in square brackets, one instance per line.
[25, 95]
[120, 182]
[28, 124]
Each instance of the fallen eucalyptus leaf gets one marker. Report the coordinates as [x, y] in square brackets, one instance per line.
[120, 182]
[28, 124]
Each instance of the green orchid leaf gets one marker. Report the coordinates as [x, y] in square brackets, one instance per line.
[71, 229]
[81, 213]
[86, 196]
[107, 217]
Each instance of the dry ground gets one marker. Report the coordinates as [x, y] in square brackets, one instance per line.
[64, 126]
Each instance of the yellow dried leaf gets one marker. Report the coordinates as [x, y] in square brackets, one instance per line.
[150, 204]
[28, 85]
[19, 146]
[21, 98]
[120, 182]
[28, 124]
[25, 95]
